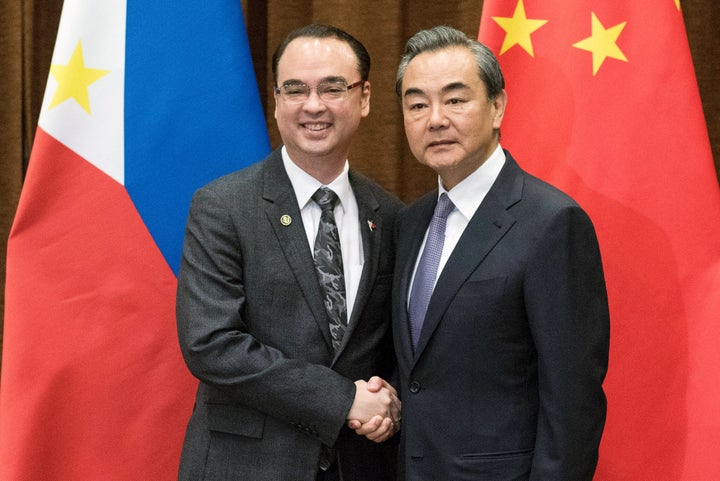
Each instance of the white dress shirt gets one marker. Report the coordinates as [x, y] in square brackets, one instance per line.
[467, 197]
[346, 218]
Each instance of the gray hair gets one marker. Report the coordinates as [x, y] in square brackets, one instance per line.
[442, 37]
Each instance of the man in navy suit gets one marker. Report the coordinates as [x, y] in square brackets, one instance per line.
[503, 356]
[278, 378]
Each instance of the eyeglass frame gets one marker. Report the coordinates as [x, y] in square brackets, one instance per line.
[349, 87]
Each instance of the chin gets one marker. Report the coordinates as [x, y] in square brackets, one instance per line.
[439, 163]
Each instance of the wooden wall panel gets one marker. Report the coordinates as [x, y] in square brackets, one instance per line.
[702, 22]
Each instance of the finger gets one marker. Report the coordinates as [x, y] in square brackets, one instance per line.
[385, 384]
[383, 432]
[370, 426]
[396, 411]
[375, 384]
[354, 424]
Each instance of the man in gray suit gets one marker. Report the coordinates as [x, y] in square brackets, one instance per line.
[287, 352]
[500, 312]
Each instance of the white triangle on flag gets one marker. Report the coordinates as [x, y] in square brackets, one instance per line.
[98, 29]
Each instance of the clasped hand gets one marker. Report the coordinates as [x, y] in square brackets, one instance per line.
[375, 412]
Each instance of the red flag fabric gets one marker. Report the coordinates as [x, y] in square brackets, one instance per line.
[136, 116]
[604, 104]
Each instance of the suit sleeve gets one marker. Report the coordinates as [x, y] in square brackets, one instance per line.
[218, 348]
[567, 307]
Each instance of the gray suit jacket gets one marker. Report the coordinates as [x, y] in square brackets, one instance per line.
[506, 380]
[254, 331]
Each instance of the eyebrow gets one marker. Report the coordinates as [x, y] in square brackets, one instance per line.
[455, 86]
[451, 87]
[413, 91]
[333, 78]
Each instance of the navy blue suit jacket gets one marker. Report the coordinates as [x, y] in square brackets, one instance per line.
[506, 380]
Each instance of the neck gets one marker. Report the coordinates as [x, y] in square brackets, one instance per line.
[323, 168]
[454, 175]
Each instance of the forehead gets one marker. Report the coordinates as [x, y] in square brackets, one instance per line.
[434, 70]
[308, 59]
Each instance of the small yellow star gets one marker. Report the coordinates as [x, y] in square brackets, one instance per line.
[677, 4]
[602, 43]
[518, 29]
[74, 79]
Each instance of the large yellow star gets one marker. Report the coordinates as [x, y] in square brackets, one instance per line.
[518, 29]
[602, 43]
[74, 79]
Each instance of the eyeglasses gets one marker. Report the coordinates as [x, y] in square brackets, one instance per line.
[327, 90]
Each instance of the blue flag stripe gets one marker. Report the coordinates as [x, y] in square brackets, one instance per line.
[192, 109]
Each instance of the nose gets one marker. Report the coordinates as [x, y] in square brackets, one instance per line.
[438, 119]
[314, 103]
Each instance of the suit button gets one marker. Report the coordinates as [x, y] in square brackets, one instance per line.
[414, 387]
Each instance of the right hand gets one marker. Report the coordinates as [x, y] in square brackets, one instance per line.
[375, 412]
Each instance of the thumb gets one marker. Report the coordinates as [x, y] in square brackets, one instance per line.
[375, 384]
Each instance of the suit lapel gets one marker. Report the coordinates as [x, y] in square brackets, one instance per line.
[417, 221]
[489, 224]
[280, 202]
[370, 236]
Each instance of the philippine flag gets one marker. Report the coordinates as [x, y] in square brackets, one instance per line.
[145, 102]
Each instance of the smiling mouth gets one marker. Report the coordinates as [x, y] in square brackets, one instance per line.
[316, 126]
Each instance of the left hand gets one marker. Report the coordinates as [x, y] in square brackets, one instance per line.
[378, 428]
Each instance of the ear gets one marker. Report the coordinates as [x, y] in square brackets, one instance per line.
[499, 104]
[365, 99]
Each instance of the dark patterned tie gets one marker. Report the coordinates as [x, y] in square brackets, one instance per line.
[426, 273]
[329, 266]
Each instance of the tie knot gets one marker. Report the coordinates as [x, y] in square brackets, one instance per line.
[443, 207]
[325, 198]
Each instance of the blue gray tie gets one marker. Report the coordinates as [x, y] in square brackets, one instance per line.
[329, 266]
[427, 268]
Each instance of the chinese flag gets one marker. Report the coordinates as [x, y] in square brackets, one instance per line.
[603, 103]
[146, 101]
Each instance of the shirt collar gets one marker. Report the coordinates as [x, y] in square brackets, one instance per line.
[305, 184]
[469, 194]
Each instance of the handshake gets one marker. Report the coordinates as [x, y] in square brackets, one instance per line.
[375, 411]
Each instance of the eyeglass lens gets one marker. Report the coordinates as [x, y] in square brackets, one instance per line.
[326, 90]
